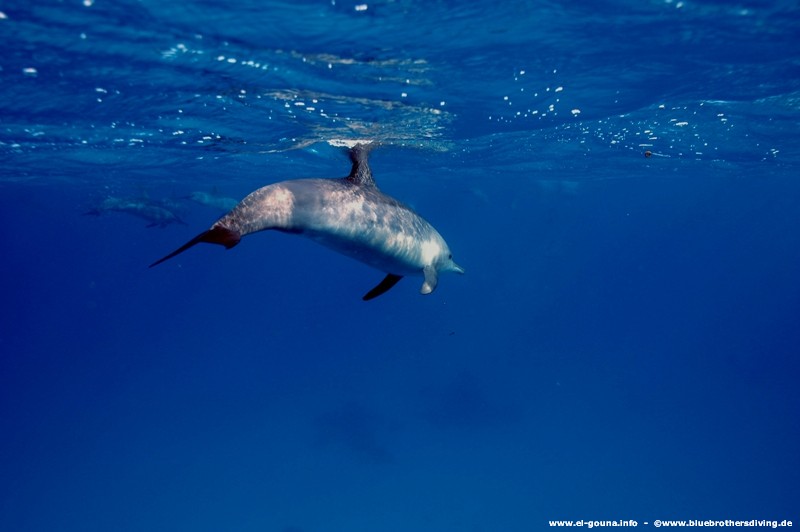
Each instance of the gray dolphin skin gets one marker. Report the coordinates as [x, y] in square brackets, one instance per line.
[349, 215]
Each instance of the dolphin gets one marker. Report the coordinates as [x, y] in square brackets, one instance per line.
[213, 200]
[157, 213]
[349, 215]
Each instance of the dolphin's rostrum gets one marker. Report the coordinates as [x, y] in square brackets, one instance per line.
[349, 215]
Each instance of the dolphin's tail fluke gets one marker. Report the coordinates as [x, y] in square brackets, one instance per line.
[215, 235]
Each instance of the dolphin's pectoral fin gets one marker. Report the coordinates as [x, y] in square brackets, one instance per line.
[388, 282]
[215, 235]
[431, 280]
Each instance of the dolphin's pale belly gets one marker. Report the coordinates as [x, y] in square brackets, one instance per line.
[386, 250]
[359, 222]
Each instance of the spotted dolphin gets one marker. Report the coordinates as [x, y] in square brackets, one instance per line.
[158, 213]
[349, 215]
[213, 200]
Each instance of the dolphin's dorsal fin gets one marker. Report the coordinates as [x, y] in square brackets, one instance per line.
[360, 174]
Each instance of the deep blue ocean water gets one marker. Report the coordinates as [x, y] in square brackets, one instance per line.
[624, 344]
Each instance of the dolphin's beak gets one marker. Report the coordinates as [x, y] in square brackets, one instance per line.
[458, 269]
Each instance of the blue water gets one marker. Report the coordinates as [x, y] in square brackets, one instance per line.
[624, 344]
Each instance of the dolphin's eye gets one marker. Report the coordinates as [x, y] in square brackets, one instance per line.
[450, 256]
